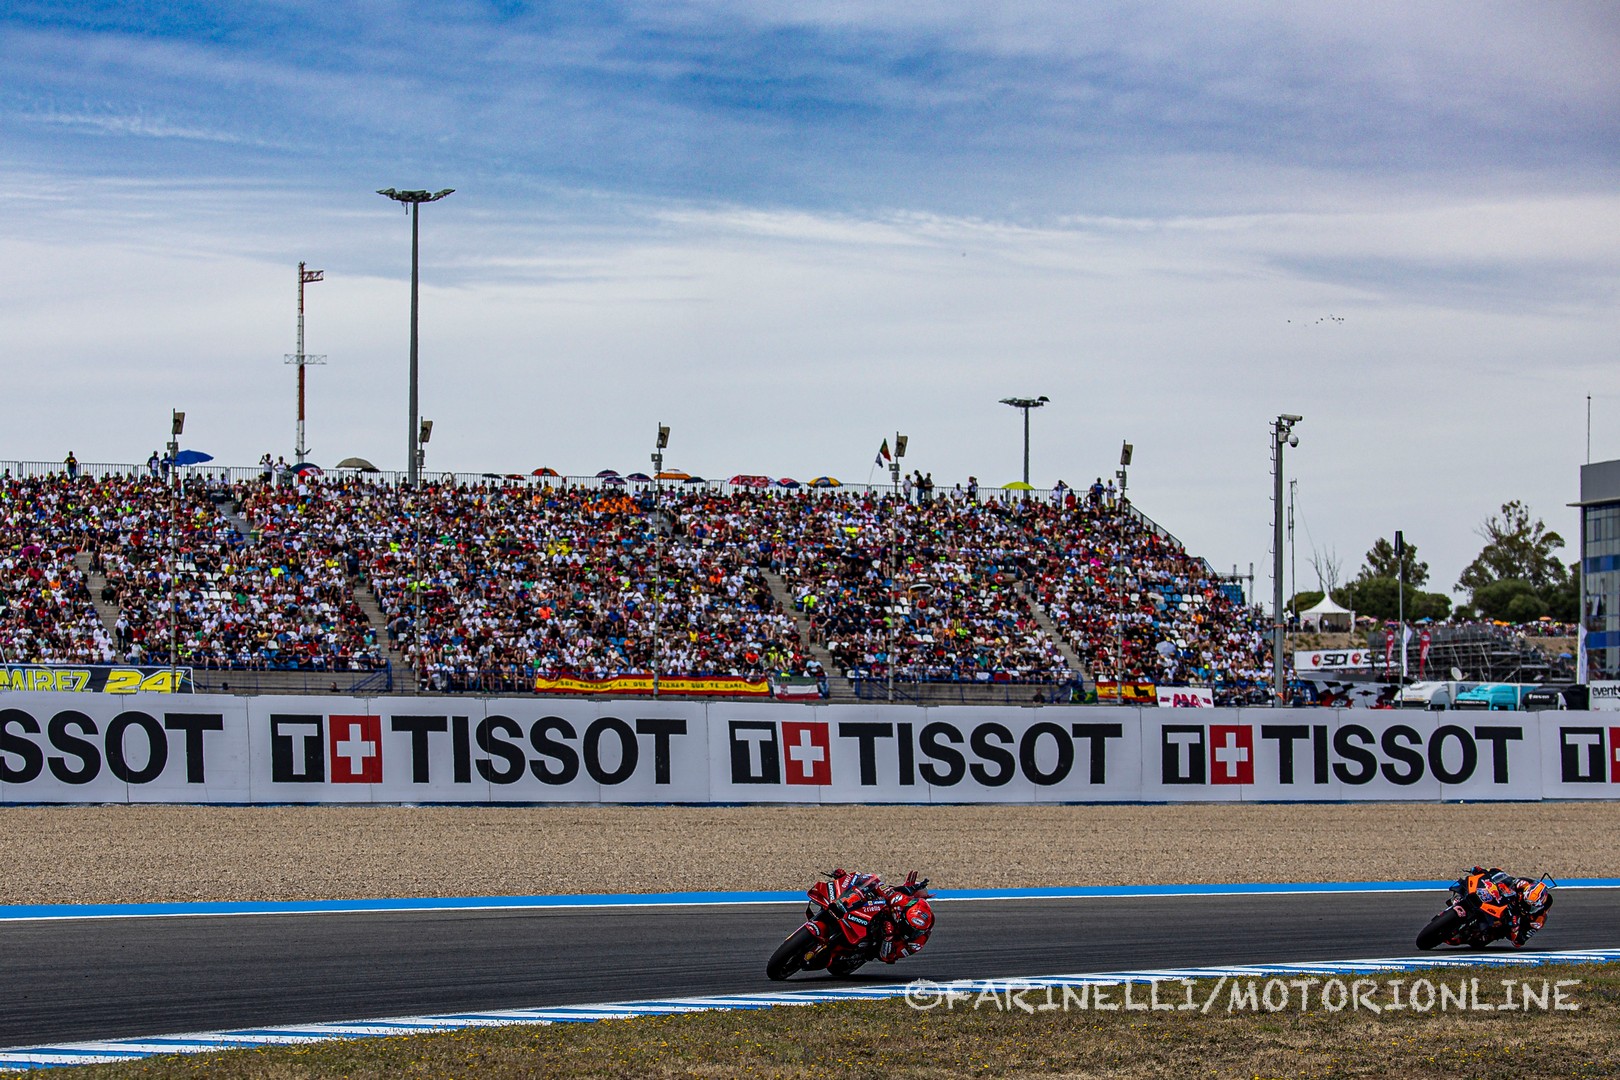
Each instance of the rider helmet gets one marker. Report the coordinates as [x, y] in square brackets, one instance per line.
[1537, 898]
[917, 915]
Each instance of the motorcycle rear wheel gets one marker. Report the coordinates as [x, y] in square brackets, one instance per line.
[789, 956]
[1440, 929]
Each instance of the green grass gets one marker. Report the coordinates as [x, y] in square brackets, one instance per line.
[890, 1039]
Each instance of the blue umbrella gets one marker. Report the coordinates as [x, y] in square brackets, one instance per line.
[192, 457]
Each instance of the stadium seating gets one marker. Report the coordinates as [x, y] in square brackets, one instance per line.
[484, 586]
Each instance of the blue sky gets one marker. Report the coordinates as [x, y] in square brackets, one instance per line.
[787, 229]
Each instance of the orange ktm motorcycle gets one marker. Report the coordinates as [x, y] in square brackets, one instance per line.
[1482, 910]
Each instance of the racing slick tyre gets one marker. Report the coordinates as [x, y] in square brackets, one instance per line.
[789, 956]
[1440, 929]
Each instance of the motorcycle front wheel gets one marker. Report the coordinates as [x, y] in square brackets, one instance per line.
[1440, 929]
[790, 955]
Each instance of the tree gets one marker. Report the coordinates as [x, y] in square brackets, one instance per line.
[1304, 601]
[1381, 563]
[1380, 597]
[1564, 600]
[1515, 549]
[1510, 600]
[1326, 563]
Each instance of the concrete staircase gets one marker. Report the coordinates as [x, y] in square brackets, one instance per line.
[404, 676]
[1053, 631]
[838, 689]
[95, 581]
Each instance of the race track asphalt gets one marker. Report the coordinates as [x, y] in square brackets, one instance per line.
[112, 978]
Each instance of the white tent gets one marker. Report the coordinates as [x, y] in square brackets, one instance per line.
[1327, 616]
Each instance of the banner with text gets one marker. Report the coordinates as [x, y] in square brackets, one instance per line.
[94, 678]
[642, 685]
[66, 747]
[1332, 659]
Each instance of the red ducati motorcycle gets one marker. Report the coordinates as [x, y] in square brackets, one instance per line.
[842, 928]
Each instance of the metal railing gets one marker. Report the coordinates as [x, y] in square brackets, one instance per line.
[293, 681]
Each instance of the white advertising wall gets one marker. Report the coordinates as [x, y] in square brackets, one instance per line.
[99, 748]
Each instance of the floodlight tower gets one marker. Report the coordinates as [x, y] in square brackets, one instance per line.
[660, 445]
[413, 201]
[1282, 434]
[302, 359]
[1026, 404]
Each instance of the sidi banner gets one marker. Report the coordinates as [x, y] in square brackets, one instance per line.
[76, 747]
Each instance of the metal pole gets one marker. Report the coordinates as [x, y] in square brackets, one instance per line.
[1400, 598]
[1026, 444]
[1293, 561]
[174, 592]
[1278, 439]
[412, 471]
[298, 451]
[658, 562]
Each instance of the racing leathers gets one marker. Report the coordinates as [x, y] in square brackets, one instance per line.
[908, 918]
[1510, 907]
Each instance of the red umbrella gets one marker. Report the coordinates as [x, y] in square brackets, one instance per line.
[547, 471]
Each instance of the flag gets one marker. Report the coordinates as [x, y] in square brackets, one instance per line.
[883, 453]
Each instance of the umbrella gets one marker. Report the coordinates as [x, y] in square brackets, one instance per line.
[357, 463]
[826, 481]
[639, 478]
[674, 474]
[746, 480]
[307, 467]
[605, 473]
[1017, 485]
[546, 471]
[694, 480]
[787, 482]
[613, 480]
[192, 457]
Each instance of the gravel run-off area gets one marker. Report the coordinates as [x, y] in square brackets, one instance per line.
[113, 854]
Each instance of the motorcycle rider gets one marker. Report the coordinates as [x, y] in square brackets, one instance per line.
[1524, 903]
[908, 917]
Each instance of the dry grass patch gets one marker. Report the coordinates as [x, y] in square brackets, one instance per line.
[892, 1040]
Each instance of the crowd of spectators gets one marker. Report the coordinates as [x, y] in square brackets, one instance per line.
[1136, 607]
[46, 612]
[486, 586]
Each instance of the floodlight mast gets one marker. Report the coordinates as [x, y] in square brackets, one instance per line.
[301, 358]
[413, 201]
[1026, 404]
[1282, 434]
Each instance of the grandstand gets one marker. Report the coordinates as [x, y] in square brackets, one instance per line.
[484, 583]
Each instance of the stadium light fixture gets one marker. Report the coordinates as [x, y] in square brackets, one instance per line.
[1282, 434]
[660, 444]
[1026, 404]
[413, 201]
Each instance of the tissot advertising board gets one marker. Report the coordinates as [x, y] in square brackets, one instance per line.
[65, 747]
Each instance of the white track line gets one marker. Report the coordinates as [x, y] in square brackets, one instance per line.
[86, 1053]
